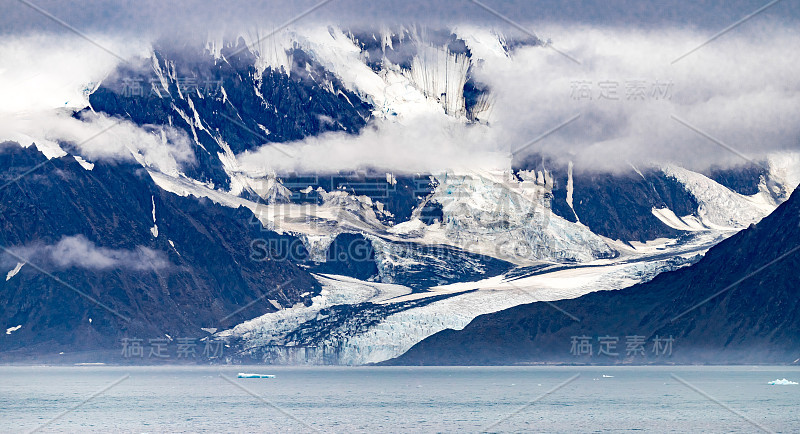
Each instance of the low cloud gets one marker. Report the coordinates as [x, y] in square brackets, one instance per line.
[100, 138]
[427, 144]
[78, 252]
[740, 89]
[43, 71]
[45, 78]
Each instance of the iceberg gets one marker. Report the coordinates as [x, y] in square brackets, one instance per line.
[783, 382]
[244, 375]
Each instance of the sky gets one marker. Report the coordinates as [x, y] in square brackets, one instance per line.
[628, 99]
[137, 16]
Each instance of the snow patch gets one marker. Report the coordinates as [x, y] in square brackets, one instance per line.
[571, 190]
[85, 164]
[154, 229]
[392, 93]
[441, 75]
[685, 223]
[14, 271]
[173, 247]
[719, 207]
[494, 213]
[271, 49]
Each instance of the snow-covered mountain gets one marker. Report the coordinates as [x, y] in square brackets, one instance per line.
[379, 258]
[737, 305]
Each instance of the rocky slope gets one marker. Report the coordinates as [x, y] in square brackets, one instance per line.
[107, 254]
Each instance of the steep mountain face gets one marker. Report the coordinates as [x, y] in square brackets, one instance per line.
[226, 105]
[228, 100]
[96, 255]
[160, 263]
[744, 180]
[739, 304]
[238, 93]
[620, 205]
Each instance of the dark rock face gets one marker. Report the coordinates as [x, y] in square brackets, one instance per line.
[423, 266]
[739, 304]
[616, 205]
[205, 275]
[743, 179]
[619, 206]
[350, 255]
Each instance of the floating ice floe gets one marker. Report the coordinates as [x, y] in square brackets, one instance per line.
[783, 382]
[243, 375]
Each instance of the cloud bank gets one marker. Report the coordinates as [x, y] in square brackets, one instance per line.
[628, 101]
[101, 138]
[45, 78]
[741, 89]
[420, 145]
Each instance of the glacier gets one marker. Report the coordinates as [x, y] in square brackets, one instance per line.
[378, 321]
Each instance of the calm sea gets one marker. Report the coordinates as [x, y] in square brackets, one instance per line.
[391, 399]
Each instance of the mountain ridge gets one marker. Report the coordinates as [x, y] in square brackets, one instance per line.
[736, 305]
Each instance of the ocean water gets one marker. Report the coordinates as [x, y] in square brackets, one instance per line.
[398, 399]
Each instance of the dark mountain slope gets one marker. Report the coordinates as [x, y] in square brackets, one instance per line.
[616, 205]
[196, 273]
[739, 304]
